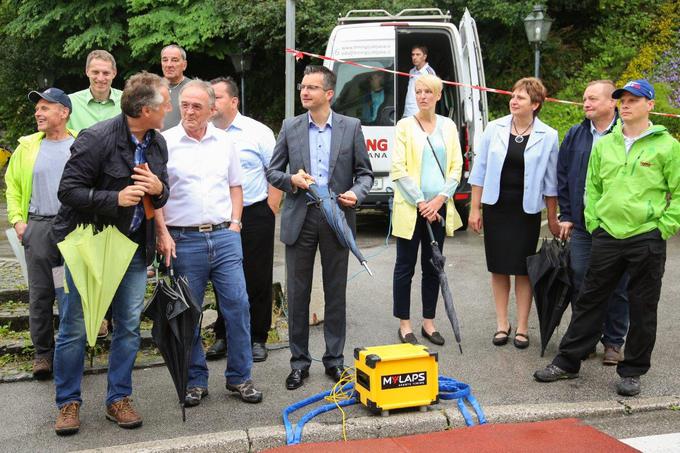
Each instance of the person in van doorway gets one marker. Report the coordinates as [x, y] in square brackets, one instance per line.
[420, 67]
[328, 149]
[572, 165]
[426, 168]
[514, 178]
[631, 174]
[32, 180]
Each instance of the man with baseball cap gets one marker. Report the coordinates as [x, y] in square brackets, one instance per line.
[32, 179]
[631, 173]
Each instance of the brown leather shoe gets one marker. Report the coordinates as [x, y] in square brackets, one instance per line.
[68, 420]
[612, 355]
[124, 414]
[42, 368]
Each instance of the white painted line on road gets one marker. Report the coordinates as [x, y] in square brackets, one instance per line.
[664, 443]
[544, 223]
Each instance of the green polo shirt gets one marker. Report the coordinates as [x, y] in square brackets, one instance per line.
[88, 111]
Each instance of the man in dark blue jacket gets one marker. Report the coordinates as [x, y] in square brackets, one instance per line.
[572, 166]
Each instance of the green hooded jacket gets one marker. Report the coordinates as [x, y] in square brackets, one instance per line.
[19, 176]
[627, 193]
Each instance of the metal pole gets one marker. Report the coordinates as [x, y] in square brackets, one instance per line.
[243, 88]
[537, 60]
[290, 59]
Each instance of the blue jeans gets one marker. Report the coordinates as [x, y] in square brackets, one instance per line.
[616, 322]
[217, 256]
[69, 351]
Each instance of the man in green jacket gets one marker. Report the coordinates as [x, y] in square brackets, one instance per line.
[32, 179]
[631, 174]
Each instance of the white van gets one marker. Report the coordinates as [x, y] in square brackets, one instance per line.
[377, 38]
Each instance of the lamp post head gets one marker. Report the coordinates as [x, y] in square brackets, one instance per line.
[537, 25]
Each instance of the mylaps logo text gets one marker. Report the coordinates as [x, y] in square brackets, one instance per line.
[394, 381]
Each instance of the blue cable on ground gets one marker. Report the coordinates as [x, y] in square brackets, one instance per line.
[449, 389]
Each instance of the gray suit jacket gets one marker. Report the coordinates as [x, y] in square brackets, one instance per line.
[349, 168]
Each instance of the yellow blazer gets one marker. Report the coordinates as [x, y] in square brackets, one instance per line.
[406, 161]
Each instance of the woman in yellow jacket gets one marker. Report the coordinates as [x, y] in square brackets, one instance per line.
[426, 170]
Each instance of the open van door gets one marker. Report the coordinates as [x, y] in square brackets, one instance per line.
[477, 112]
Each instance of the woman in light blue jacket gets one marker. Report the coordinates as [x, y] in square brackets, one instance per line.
[513, 178]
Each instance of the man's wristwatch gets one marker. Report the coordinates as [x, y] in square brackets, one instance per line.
[237, 222]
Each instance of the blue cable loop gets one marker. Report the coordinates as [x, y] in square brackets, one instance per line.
[449, 389]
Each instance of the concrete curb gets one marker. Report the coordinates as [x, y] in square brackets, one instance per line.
[436, 419]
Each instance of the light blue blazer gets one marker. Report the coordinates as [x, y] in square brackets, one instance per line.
[540, 163]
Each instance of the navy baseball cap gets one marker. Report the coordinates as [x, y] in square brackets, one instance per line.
[51, 95]
[640, 88]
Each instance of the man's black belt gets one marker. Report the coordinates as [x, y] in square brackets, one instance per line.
[205, 228]
[40, 217]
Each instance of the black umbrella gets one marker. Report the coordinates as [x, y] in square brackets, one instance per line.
[327, 201]
[550, 278]
[175, 316]
[439, 261]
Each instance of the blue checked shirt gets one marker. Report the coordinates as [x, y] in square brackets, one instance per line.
[140, 158]
[320, 150]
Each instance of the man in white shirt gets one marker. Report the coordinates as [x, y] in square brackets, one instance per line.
[200, 227]
[254, 144]
[420, 67]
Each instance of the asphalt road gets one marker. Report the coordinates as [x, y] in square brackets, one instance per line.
[497, 375]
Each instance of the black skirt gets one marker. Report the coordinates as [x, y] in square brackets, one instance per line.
[510, 234]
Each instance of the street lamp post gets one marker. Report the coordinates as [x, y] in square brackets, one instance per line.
[537, 26]
[241, 62]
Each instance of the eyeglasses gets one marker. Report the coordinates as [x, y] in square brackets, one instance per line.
[301, 87]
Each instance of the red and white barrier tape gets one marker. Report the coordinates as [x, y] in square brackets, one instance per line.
[299, 54]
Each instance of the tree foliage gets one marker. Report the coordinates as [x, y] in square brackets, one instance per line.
[590, 39]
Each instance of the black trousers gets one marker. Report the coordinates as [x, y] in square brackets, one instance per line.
[316, 233]
[41, 255]
[405, 265]
[257, 237]
[644, 258]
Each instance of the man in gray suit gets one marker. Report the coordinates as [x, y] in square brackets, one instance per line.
[328, 149]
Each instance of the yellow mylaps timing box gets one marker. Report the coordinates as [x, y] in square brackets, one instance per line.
[396, 376]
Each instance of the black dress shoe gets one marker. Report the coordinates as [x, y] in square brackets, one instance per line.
[336, 372]
[295, 379]
[408, 338]
[259, 352]
[435, 337]
[218, 350]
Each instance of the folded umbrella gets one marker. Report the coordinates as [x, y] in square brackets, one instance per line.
[439, 262]
[327, 201]
[175, 315]
[550, 278]
[97, 262]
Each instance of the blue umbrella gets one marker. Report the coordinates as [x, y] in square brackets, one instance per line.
[327, 201]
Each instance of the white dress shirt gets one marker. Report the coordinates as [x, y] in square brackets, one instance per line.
[254, 143]
[200, 174]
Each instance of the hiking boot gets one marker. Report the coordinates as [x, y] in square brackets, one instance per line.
[123, 413]
[194, 396]
[42, 368]
[247, 390]
[612, 355]
[628, 386]
[553, 373]
[68, 420]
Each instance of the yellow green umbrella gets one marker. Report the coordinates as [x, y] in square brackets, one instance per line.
[97, 263]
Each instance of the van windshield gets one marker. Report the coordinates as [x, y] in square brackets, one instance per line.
[364, 93]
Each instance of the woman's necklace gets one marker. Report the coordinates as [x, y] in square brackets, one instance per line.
[519, 138]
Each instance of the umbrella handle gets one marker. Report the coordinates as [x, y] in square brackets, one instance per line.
[429, 231]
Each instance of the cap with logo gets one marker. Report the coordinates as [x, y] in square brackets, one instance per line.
[640, 88]
[51, 95]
